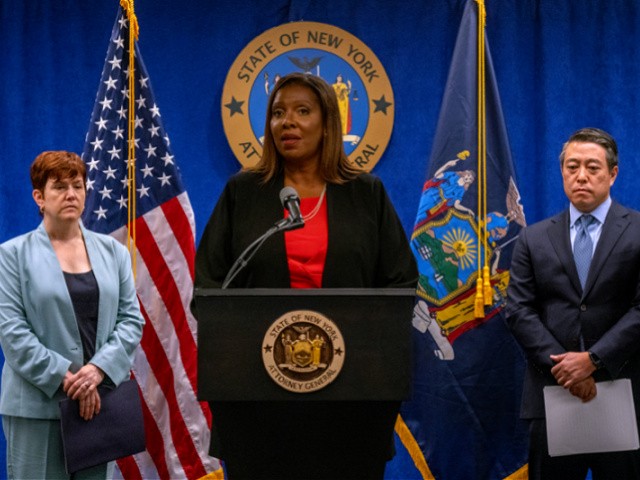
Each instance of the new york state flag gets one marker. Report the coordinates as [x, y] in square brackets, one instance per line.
[462, 421]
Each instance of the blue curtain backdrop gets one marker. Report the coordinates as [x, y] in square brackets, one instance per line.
[560, 65]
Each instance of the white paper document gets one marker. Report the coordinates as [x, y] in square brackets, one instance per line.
[605, 424]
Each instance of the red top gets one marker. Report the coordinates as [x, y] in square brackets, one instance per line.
[307, 247]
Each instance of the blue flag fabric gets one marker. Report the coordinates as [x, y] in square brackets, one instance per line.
[463, 418]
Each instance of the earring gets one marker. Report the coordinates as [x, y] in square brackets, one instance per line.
[42, 210]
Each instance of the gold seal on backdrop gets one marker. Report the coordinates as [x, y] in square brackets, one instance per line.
[303, 351]
[360, 81]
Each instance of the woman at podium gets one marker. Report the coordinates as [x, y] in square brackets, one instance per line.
[352, 238]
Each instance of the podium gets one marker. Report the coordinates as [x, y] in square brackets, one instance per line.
[304, 383]
[234, 327]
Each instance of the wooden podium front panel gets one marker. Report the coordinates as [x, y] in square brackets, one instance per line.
[375, 325]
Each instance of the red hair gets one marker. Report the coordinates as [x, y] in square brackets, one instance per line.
[58, 165]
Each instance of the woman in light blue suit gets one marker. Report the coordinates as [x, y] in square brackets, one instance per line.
[69, 320]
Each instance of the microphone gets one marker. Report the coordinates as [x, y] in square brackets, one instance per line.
[291, 201]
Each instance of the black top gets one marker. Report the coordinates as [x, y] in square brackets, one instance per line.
[84, 293]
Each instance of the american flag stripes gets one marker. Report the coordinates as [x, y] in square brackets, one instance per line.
[177, 425]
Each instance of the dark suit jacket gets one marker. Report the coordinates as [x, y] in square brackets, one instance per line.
[548, 312]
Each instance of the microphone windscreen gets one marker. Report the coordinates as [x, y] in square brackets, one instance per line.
[287, 193]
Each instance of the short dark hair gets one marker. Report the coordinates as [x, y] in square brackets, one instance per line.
[598, 136]
[334, 163]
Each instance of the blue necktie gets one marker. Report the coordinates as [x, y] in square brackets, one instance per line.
[583, 247]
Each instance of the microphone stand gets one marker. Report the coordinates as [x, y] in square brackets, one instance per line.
[283, 225]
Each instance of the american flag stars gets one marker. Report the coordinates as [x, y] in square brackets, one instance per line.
[107, 153]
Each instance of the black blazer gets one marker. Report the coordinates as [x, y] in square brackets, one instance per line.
[548, 312]
[367, 245]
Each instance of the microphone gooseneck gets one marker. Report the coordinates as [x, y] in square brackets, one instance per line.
[291, 202]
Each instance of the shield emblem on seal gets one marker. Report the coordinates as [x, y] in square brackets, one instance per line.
[302, 353]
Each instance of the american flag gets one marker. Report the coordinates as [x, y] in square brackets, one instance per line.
[177, 425]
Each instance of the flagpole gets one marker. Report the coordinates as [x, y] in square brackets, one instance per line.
[486, 274]
[128, 7]
[483, 282]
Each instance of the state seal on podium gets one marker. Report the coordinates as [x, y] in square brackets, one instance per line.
[303, 351]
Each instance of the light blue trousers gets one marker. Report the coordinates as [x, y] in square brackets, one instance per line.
[34, 450]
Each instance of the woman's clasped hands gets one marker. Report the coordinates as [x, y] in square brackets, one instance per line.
[83, 386]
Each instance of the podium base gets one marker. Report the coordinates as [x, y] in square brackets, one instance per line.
[293, 440]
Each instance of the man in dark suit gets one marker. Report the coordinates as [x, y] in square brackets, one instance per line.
[574, 303]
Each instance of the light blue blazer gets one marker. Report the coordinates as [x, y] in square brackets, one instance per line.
[38, 330]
